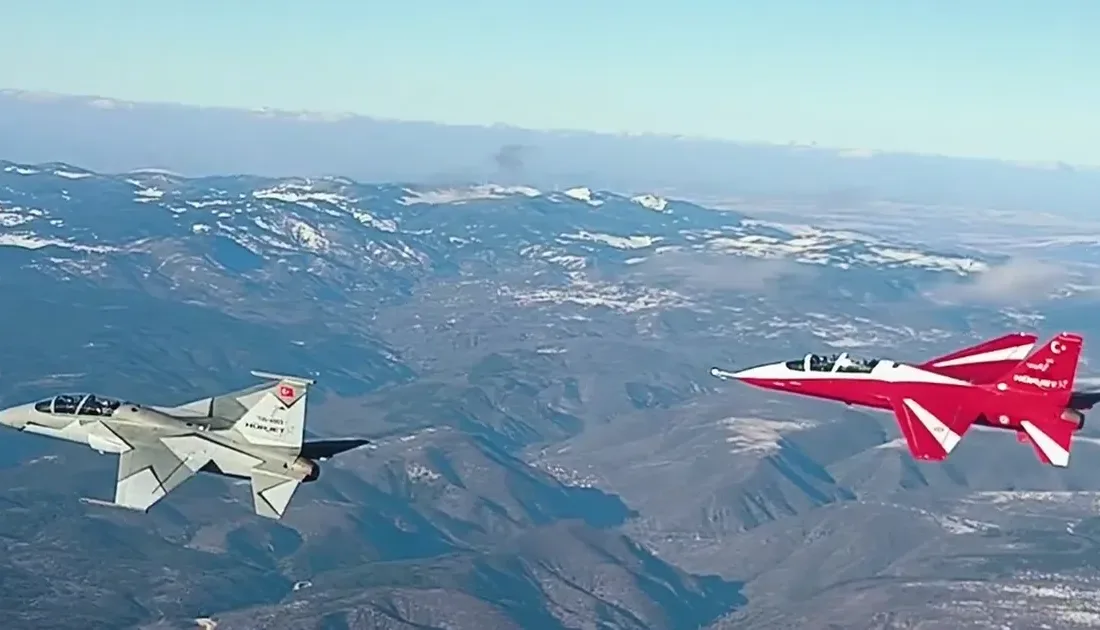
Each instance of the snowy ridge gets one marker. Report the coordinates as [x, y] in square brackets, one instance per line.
[458, 195]
[652, 202]
[586, 293]
[618, 242]
[759, 435]
[843, 248]
[27, 241]
[330, 223]
[1033, 601]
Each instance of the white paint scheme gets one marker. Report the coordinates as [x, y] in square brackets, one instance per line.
[104, 441]
[885, 371]
[723, 374]
[254, 433]
[1018, 353]
[272, 492]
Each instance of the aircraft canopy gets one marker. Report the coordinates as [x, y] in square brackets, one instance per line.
[842, 362]
[79, 404]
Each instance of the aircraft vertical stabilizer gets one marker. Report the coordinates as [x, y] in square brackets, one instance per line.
[1050, 370]
[276, 415]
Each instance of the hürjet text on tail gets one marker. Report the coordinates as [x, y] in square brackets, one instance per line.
[255, 433]
[1005, 383]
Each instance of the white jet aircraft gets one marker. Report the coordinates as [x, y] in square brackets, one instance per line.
[255, 433]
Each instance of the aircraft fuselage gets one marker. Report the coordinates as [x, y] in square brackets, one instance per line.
[106, 434]
[992, 405]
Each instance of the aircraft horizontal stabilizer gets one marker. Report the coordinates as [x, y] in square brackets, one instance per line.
[271, 492]
[1052, 440]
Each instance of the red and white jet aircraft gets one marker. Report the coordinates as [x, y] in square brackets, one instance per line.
[1000, 383]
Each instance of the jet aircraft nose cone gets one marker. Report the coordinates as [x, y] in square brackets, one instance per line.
[770, 372]
[722, 374]
[14, 417]
[760, 371]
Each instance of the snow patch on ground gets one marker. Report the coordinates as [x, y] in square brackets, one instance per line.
[618, 242]
[591, 294]
[759, 435]
[458, 195]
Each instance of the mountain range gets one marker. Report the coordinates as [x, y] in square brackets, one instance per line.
[112, 134]
[548, 449]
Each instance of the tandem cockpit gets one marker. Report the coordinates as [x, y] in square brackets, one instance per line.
[78, 404]
[842, 362]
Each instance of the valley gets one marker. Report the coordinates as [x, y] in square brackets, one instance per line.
[549, 449]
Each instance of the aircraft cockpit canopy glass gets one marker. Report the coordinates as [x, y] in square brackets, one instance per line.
[842, 362]
[98, 406]
[78, 404]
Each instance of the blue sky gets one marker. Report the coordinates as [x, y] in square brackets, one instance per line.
[1015, 79]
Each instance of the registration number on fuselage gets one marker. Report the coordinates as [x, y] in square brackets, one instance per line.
[267, 424]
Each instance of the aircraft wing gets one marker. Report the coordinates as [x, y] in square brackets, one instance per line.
[932, 426]
[149, 471]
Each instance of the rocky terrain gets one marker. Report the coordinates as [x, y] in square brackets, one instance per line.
[549, 450]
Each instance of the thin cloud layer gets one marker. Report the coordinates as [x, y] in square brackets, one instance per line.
[1018, 280]
[719, 272]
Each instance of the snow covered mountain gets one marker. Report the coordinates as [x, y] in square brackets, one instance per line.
[365, 236]
[340, 221]
[533, 365]
[334, 250]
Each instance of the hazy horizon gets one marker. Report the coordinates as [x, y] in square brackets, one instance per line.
[936, 77]
[320, 117]
[113, 135]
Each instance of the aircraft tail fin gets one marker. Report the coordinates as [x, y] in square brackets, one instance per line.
[1049, 370]
[986, 361]
[276, 415]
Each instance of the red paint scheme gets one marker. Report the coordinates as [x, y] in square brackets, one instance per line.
[1029, 394]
